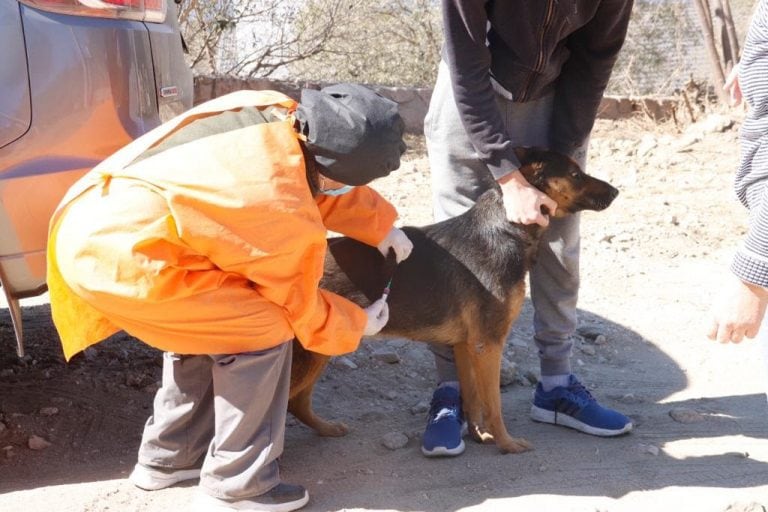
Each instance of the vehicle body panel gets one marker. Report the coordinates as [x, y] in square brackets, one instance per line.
[93, 88]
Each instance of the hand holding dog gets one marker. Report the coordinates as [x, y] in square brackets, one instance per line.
[398, 241]
[524, 203]
[739, 312]
[378, 316]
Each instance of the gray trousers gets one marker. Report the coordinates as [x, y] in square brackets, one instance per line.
[455, 167]
[229, 409]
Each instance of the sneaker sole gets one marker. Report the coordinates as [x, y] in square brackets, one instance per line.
[442, 451]
[551, 417]
[206, 503]
[151, 480]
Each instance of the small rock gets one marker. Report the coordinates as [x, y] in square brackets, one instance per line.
[745, 507]
[601, 339]
[518, 342]
[49, 411]
[648, 448]
[588, 349]
[608, 238]
[37, 443]
[590, 332]
[508, 371]
[394, 440]
[420, 408]
[686, 142]
[531, 377]
[716, 123]
[2, 427]
[344, 362]
[7, 372]
[685, 415]
[386, 356]
[390, 395]
[630, 398]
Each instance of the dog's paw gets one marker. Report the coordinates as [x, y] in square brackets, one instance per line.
[332, 429]
[480, 435]
[514, 445]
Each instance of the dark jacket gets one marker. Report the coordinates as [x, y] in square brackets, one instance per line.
[525, 50]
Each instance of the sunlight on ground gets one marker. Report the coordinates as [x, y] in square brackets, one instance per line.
[737, 446]
[682, 499]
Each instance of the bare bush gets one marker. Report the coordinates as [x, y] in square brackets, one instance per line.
[387, 42]
[258, 38]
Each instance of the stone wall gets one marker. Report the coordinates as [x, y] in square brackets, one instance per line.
[414, 101]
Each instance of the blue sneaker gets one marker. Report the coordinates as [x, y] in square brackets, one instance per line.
[445, 425]
[573, 406]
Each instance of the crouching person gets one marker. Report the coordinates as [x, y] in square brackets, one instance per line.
[205, 238]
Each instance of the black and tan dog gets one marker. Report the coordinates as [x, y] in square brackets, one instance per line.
[463, 285]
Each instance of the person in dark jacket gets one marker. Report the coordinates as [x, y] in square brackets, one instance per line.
[521, 74]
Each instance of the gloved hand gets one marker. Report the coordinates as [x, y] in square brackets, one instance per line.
[378, 315]
[397, 240]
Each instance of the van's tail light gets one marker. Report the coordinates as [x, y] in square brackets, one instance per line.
[140, 10]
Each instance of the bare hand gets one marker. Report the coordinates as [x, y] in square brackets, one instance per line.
[524, 203]
[738, 312]
[732, 86]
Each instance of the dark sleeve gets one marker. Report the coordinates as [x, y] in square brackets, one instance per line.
[584, 77]
[469, 60]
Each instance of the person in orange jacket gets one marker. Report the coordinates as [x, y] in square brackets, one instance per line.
[205, 238]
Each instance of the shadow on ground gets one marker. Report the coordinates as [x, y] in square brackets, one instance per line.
[92, 412]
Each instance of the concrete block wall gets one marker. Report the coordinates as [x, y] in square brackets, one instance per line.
[415, 101]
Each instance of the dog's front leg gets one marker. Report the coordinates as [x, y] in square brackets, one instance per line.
[470, 401]
[485, 360]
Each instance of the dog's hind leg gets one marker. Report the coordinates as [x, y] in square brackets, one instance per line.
[306, 368]
[301, 407]
[486, 367]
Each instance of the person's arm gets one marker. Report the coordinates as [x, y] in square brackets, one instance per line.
[739, 311]
[584, 76]
[467, 56]
[362, 214]
[469, 62]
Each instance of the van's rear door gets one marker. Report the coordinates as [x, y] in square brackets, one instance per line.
[15, 108]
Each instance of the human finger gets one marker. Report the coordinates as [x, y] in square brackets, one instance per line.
[713, 327]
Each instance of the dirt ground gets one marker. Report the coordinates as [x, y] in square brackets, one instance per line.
[652, 264]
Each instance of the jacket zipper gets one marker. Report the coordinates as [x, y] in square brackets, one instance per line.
[548, 17]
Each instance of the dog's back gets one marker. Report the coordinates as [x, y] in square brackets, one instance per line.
[464, 267]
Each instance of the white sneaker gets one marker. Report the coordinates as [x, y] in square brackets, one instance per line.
[155, 478]
[283, 498]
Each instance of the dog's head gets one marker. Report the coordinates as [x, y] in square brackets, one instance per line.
[563, 180]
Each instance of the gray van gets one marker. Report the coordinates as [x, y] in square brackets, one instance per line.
[78, 80]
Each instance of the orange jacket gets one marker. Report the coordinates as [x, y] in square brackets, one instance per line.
[212, 246]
